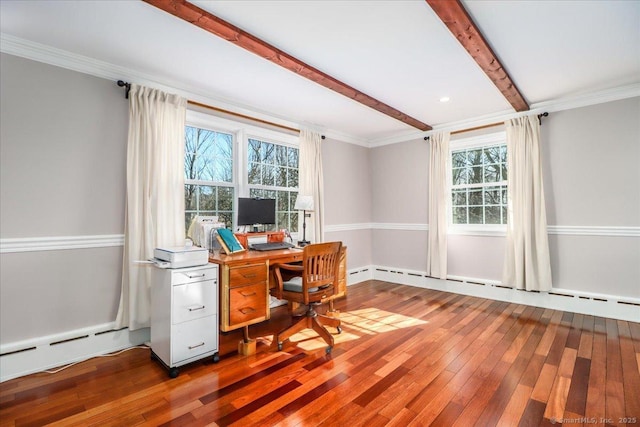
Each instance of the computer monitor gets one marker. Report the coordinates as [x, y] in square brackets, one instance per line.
[256, 211]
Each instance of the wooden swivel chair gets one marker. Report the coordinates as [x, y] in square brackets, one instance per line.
[315, 280]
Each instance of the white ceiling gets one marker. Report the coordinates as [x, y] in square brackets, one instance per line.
[398, 52]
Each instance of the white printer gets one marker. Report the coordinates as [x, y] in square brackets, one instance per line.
[180, 256]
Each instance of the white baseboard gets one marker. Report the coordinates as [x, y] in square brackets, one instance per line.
[39, 354]
[602, 305]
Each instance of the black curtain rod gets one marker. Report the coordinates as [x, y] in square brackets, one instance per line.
[127, 85]
[540, 116]
[122, 83]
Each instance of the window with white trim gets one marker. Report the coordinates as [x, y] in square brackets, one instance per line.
[222, 164]
[272, 173]
[479, 180]
[208, 166]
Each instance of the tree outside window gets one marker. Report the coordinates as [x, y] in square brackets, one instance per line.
[208, 170]
[479, 185]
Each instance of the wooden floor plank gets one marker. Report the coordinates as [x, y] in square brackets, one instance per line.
[407, 356]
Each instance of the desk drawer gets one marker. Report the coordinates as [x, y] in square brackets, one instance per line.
[245, 275]
[247, 303]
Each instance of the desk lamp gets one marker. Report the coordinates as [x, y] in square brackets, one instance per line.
[304, 204]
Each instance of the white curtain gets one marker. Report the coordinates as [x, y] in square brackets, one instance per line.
[311, 183]
[527, 264]
[439, 159]
[155, 194]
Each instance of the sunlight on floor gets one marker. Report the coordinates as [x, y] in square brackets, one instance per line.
[368, 321]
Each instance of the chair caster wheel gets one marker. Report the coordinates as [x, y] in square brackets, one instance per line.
[279, 346]
[339, 329]
[328, 350]
[173, 372]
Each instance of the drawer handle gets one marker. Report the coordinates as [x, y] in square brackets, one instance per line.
[197, 308]
[250, 276]
[191, 347]
[247, 310]
[246, 294]
[194, 276]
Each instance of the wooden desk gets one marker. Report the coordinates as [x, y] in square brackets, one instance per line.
[245, 279]
[244, 285]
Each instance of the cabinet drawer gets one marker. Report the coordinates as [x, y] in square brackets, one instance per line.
[191, 339]
[193, 301]
[247, 303]
[194, 275]
[250, 274]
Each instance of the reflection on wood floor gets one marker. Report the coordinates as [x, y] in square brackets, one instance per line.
[406, 356]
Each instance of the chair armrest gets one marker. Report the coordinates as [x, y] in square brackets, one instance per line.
[290, 270]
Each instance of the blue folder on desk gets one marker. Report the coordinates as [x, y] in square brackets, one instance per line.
[230, 240]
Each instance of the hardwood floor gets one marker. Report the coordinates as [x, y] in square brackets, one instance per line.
[407, 356]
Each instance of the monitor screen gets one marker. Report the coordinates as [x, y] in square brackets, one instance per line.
[256, 211]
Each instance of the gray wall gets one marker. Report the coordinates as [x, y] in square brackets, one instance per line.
[347, 190]
[62, 153]
[591, 178]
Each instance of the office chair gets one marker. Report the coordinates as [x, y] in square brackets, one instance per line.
[316, 279]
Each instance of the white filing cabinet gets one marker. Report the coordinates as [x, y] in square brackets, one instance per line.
[184, 315]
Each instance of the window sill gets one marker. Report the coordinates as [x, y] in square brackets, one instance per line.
[478, 230]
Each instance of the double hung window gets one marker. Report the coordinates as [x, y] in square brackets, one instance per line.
[479, 181]
[272, 173]
[222, 164]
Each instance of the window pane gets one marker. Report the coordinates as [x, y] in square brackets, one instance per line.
[492, 214]
[292, 155]
[281, 176]
[190, 201]
[254, 173]
[282, 201]
[475, 197]
[476, 175]
[459, 215]
[207, 200]
[503, 153]
[491, 155]
[459, 197]
[292, 178]
[268, 153]
[492, 173]
[281, 155]
[504, 214]
[461, 176]
[475, 215]
[458, 159]
[492, 196]
[268, 172]
[253, 151]
[474, 157]
[225, 199]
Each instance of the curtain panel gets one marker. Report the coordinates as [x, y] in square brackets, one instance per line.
[439, 184]
[312, 183]
[527, 262]
[155, 194]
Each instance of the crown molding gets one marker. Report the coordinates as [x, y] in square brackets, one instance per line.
[61, 58]
[561, 104]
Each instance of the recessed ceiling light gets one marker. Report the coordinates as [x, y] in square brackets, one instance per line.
[445, 99]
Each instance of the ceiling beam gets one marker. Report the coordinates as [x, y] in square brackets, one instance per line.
[211, 23]
[456, 18]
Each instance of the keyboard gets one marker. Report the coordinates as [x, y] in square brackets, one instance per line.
[270, 246]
